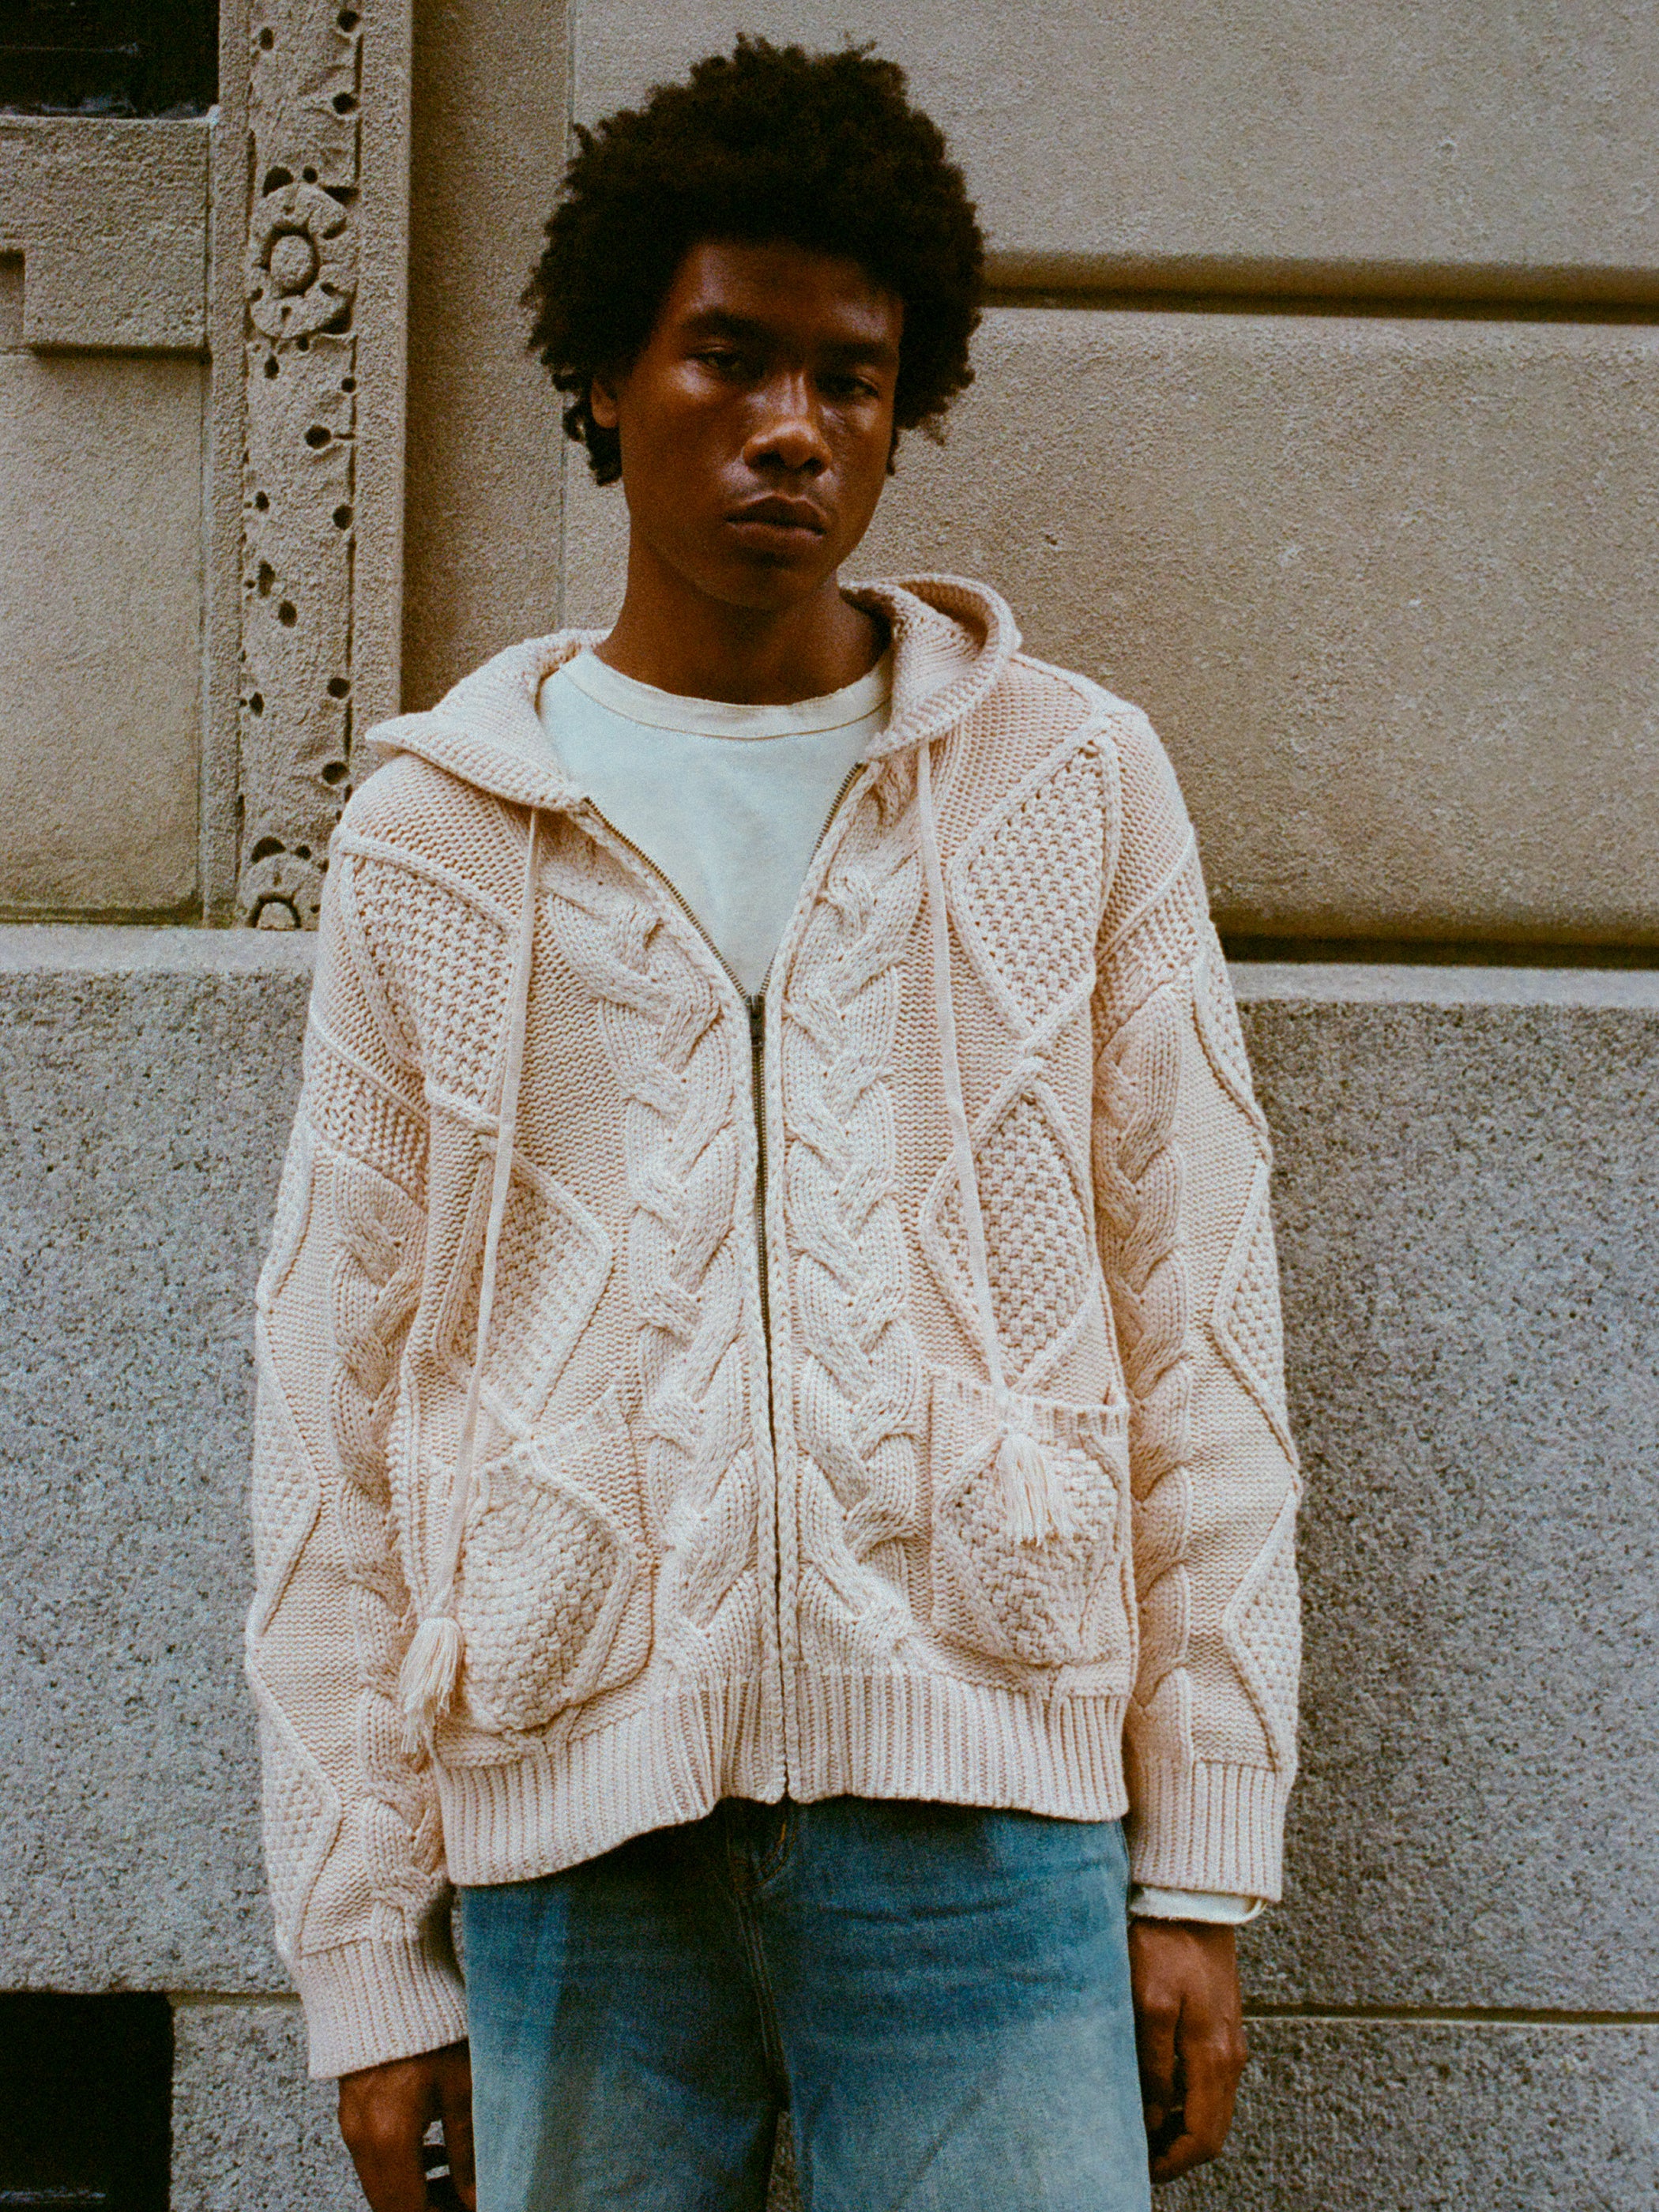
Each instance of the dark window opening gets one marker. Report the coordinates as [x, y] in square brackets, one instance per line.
[89, 2090]
[108, 57]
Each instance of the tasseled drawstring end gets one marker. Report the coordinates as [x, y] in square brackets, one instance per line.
[430, 1676]
[1038, 1506]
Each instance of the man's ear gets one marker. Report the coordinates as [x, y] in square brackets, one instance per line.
[602, 403]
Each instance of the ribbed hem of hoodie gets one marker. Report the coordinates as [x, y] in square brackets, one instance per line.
[368, 2002]
[957, 1743]
[671, 1761]
[888, 1736]
[1208, 1826]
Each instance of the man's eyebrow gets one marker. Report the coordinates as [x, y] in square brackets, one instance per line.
[722, 323]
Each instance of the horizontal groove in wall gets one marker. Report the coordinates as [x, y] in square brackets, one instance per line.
[222, 2000]
[1430, 952]
[1359, 983]
[1442, 291]
[1452, 2015]
[186, 916]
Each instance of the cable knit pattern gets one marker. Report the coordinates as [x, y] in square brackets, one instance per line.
[747, 1513]
[1185, 1289]
[354, 1839]
[669, 1046]
[859, 1391]
[1138, 1172]
[376, 1282]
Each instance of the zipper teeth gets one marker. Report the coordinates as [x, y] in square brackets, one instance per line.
[755, 1004]
[756, 1008]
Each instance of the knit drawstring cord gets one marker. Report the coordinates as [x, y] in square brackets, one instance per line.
[431, 1671]
[1037, 1505]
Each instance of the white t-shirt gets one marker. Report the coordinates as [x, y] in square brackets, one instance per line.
[728, 802]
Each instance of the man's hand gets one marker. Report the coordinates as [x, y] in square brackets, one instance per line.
[386, 2110]
[1189, 2031]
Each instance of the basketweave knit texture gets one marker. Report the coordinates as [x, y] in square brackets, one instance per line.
[739, 1518]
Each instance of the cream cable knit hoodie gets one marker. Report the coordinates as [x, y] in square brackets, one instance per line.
[574, 1513]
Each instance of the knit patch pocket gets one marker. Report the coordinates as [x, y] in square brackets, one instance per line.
[554, 1598]
[1066, 1600]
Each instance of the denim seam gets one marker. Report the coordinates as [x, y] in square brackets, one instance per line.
[765, 2002]
[770, 1862]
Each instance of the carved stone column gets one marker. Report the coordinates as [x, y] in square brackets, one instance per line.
[324, 291]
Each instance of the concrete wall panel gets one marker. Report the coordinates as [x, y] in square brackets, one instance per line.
[143, 1099]
[100, 614]
[1474, 146]
[1386, 588]
[1465, 1196]
[1387, 2116]
[482, 547]
[249, 2130]
[1464, 1191]
[1335, 2116]
[110, 215]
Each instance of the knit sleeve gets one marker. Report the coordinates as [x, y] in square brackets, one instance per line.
[1181, 1160]
[353, 1844]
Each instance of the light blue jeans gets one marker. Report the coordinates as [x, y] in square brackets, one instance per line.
[937, 1997]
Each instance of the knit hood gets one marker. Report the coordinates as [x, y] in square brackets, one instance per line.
[952, 641]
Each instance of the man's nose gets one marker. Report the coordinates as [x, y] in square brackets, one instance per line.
[788, 433]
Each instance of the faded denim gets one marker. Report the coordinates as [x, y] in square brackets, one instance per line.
[938, 1996]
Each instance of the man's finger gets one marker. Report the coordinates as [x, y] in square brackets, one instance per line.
[1155, 2047]
[1178, 2157]
[389, 2163]
[1210, 2070]
[457, 2116]
[384, 2113]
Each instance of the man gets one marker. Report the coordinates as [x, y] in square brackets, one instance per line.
[771, 1437]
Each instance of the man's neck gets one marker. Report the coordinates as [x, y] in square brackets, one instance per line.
[679, 639]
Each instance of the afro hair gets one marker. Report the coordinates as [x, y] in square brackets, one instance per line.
[761, 145]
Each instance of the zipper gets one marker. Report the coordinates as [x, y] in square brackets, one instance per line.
[755, 1007]
[757, 1100]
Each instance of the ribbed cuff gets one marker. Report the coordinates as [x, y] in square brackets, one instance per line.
[368, 2002]
[1207, 1827]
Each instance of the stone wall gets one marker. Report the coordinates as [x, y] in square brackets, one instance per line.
[1315, 411]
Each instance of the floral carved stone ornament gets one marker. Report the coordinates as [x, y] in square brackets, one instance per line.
[301, 262]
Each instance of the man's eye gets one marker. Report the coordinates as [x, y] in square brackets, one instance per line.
[723, 361]
[849, 387]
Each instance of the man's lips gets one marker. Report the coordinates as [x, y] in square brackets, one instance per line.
[789, 516]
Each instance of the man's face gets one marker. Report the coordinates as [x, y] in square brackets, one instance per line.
[756, 424]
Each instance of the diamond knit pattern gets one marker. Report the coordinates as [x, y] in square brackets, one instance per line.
[1264, 1626]
[289, 1498]
[553, 1257]
[1035, 1198]
[450, 960]
[1033, 922]
[1246, 1319]
[301, 1818]
[1223, 1038]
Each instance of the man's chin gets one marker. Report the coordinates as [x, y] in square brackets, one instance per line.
[768, 584]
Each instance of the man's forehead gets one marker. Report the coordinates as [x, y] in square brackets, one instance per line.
[743, 289]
